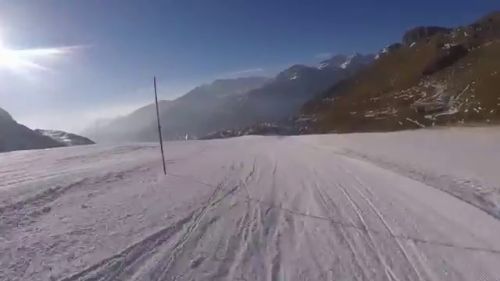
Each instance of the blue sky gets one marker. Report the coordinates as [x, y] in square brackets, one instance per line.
[118, 45]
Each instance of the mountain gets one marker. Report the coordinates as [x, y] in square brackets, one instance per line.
[436, 76]
[224, 88]
[66, 139]
[190, 114]
[233, 104]
[14, 136]
[286, 93]
[132, 127]
[270, 109]
[352, 63]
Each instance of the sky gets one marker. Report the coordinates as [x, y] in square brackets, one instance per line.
[94, 59]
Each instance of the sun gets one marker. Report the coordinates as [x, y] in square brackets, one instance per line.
[26, 60]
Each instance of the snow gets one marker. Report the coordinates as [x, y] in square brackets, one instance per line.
[448, 46]
[57, 135]
[323, 65]
[345, 64]
[450, 111]
[415, 205]
[415, 122]
[461, 161]
[348, 61]
[382, 52]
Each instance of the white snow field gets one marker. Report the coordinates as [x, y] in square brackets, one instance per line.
[417, 205]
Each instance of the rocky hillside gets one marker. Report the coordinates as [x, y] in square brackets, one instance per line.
[66, 139]
[14, 136]
[436, 76]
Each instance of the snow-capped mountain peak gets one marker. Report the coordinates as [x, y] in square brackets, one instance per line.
[346, 62]
[334, 62]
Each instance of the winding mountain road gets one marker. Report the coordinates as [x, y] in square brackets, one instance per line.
[253, 208]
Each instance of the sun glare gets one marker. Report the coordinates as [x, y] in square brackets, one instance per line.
[24, 60]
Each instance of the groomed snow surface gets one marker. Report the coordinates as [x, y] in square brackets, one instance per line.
[417, 205]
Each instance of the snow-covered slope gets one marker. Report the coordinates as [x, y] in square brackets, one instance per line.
[333, 207]
[64, 138]
[461, 161]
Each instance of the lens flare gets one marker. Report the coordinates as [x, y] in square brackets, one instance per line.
[26, 60]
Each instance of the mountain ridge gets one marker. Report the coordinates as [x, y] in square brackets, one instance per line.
[445, 77]
[225, 104]
[186, 110]
[15, 136]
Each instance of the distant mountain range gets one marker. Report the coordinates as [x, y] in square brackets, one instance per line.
[435, 76]
[14, 136]
[232, 103]
[195, 113]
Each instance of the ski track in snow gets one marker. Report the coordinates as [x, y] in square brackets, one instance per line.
[252, 208]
